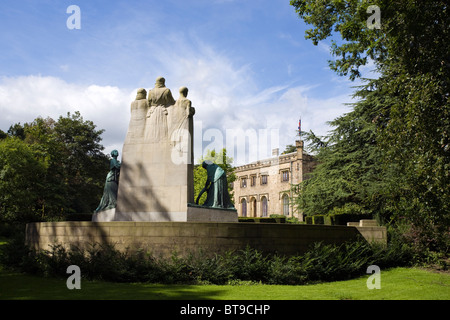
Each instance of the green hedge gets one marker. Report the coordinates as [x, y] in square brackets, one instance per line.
[318, 219]
[342, 219]
[262, 219]
[336, 219]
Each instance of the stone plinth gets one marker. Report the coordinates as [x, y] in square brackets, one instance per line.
[368, 223]
[192, 213]
[156, 175]
[209, 214]
[151, 183]
[104, 216]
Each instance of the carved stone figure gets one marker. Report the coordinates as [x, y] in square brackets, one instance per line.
[139, 109]
[159, 98]
[216, 187]
[179, 118]
[109, 198]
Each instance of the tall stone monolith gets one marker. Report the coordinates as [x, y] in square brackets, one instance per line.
[156, 181]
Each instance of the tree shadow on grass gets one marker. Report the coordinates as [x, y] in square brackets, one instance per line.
[18, 286]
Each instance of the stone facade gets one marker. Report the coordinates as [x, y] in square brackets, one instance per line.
[263, 187]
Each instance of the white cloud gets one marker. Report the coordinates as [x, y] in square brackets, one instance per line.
[290, 39]
[224, 94]
[24, 98]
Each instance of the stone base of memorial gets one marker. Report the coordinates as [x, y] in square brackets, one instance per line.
[165, 238]
[193, 213]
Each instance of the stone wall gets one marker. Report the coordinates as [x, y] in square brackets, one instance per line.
[163, 238]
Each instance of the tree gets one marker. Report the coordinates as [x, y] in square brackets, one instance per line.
[81, 161]
[3, 135]
[75, 167]
[21, 179]
[17, 130]
[290, 148]
[200, 176]
[349, 176]
[411, 53]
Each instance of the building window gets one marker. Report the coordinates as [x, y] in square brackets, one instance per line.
[285, 175]
[252, 180]
[244, 207]
[285, 205]
[264, 179]
[264, 206]
[243, 182]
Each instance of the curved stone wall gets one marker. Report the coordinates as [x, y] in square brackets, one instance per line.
[163, 238]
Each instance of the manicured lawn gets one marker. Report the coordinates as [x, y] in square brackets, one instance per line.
[396, 284]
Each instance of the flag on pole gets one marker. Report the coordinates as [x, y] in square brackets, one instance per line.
[300, 126]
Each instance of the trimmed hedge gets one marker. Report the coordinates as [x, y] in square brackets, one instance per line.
[342, 219]
[262, 219]
[318, 219]
[336, 219]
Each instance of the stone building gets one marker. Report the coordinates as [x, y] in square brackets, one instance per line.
[263, 187]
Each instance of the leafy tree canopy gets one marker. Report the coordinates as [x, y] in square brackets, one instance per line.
[408, 110]
[69, 165]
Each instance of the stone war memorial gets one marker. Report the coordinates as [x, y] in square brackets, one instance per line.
[156, 175]
[148, 199]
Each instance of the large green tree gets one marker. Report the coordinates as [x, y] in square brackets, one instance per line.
[75, 166]
[411, 53]
[22, 175]
[349, 174]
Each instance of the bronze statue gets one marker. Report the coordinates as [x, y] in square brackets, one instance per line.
[216, 187]
[109, 198]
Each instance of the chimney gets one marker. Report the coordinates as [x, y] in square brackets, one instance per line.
[299, 145]
[276, 152]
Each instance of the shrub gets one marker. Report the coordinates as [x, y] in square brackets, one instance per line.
[276, 219]
[322, 262]
[318, 219]
[287, 271]
[343, 218]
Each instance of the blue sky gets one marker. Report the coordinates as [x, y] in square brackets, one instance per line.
[246, 63]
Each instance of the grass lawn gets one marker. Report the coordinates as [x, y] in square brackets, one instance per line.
[396, 284]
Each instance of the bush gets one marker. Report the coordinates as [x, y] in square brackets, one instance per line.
[342, 219]
[318, 219]
[322, 262]
[277, 219]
